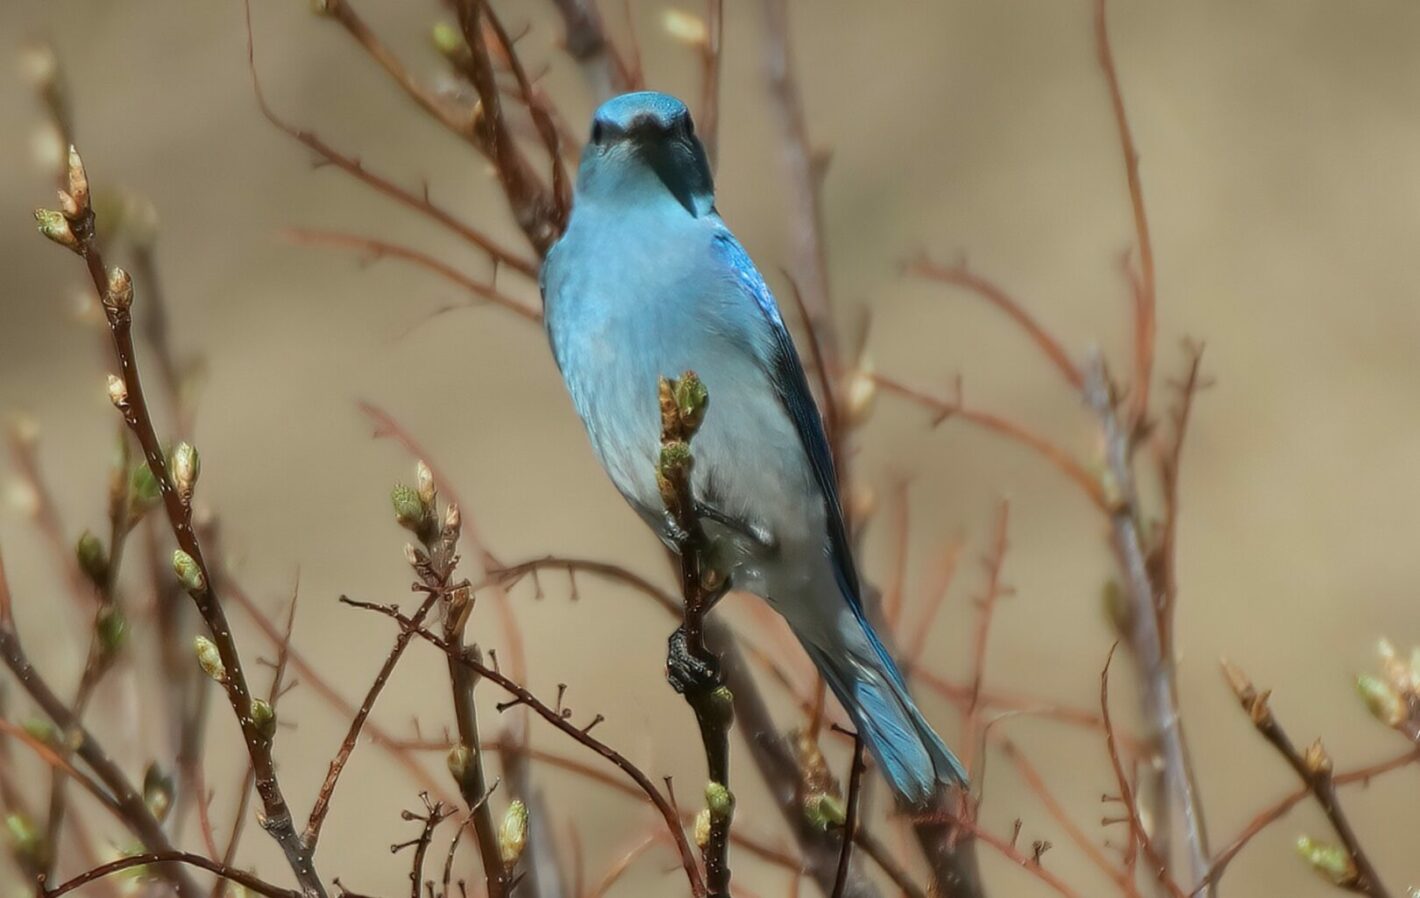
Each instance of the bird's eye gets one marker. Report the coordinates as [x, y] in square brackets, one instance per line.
[597, 133]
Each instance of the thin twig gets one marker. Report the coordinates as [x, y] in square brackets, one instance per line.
[374, 249]
[571, 730]
[956, 408]
[1143, 288]
[1315, 770]
[850, 818]
[240, 877]
[961, 276]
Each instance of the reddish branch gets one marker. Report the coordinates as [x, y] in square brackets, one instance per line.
[1144, 290]
[354, 167]
[960, 276]
[1314, 768]
[1138, 834]
[126, 798]
[1019, 433]
[1277, 810]
[166, 858]
[374, 249]
[523, 697]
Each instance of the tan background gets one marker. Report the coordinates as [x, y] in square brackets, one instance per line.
[1279, 151]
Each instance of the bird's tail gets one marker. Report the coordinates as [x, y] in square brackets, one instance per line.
[862, 675]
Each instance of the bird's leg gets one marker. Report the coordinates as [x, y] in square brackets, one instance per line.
[688, 671]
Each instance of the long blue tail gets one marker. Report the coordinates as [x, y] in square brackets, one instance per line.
[913, 758]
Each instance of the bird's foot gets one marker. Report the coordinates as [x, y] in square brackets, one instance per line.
[686, 671]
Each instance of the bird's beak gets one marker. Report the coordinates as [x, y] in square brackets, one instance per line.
[666, 168]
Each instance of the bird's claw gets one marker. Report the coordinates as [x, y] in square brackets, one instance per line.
[687, 672]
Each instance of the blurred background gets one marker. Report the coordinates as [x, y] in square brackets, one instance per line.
[1278, 145]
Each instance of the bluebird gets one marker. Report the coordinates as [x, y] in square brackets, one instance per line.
[647, 281]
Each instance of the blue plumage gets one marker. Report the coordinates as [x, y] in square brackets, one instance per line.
[647, 281]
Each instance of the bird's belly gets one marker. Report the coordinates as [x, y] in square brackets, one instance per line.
[749, 462]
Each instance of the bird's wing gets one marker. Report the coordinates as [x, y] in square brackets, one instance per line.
[793, 388]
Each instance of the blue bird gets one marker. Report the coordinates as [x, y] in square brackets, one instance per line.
[648, 282]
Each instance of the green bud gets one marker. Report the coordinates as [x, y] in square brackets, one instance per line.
[188, 572]
[447, 39]
[158, 791]
[55, 226]
[702, 828]
[1328, 860]
[824, 811]
[209, 659]
[25, 838]
[263, 717]
[720, 801]
[1117, 609]
[675, 458]
[186, 466]
[691, 400]
[460, 759]
[93, 560]
[513, 833]
[1383, 702]
[111, 627]
[41, 730]
[120, 290]
[409, 509]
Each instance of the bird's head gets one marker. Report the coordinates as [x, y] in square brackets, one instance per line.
[643, 145]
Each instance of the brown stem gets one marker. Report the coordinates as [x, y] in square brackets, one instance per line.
[134, 407]
[352, 736]
[961, 276]
[850, 818]
[580, 735]
[1314, 769]
[701, 586]
[166, 858]
[1143, 287]
[134, 811]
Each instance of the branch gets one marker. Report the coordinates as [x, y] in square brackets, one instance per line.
[1159, 694]
[804, 174]
[355, 168]
[683, 404]
[580, 735]
[74, 228]
[1144, 291]
[134, 810]
[374, 249]
[1314, 769]
[240, 877]
[850, 820]
[945, 409]
[1279, 809]
[960, 276]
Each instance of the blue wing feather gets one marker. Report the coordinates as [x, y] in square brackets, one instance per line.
[798, 401]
